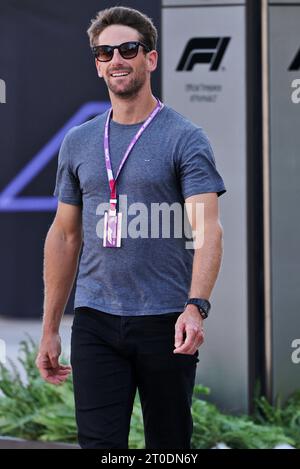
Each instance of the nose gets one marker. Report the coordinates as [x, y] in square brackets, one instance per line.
[116, 58]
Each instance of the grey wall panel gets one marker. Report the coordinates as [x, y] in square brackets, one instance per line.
[285, 195]
[202, 2]
[215, 100]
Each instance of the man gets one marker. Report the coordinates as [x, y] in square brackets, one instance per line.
[132, 327]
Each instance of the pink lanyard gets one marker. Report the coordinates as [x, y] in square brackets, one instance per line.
[112, 181]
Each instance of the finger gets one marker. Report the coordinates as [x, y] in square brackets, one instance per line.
[201, 338]
[196, 337]
[59, 373]
[179, 329]
[62, 379]
[63, 372]
[45, 372]
[55, 379]
[198, 341]
[45, 367]
[42, 361]
[54, 361]
[187, 346]
[51, 379]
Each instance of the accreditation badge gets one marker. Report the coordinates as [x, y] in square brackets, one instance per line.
[112, 229]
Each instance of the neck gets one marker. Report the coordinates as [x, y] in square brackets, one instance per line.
[132, 110]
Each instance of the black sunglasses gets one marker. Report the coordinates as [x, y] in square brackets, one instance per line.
[128, 50]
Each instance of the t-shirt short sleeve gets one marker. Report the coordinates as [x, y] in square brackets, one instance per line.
[197, 167]
[67, 187]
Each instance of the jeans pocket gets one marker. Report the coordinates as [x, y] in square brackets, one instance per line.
[188, 357]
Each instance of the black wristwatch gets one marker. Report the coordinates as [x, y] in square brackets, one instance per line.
[203, 305]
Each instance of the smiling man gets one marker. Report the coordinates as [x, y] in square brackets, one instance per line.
[140, 302]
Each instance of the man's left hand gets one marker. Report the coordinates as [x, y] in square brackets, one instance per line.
[189, 333]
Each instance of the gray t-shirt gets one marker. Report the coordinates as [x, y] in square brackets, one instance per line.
[151, 272]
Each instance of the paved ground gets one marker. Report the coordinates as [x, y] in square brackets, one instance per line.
[12, 331]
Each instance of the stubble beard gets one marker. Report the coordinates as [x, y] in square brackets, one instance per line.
[134, 86]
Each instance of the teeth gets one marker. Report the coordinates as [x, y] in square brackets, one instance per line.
[120, 74]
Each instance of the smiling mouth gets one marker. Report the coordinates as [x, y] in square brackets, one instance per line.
[119, 74]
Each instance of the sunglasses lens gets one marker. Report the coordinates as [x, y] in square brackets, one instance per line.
[129, 50]
[104, 53]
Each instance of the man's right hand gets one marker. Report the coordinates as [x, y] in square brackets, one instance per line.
[47, 360]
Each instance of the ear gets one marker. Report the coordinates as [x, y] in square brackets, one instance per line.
[98, 68]
[152, 58]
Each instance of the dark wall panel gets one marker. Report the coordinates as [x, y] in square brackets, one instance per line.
[50, 75]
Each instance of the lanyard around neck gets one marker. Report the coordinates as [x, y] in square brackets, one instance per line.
[112, 181]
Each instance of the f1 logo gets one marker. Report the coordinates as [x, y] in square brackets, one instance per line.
[295, 65]
[203, 50]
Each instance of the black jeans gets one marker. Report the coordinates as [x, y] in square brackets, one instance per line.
[113, 356]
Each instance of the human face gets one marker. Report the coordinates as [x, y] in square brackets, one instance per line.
[138, 69]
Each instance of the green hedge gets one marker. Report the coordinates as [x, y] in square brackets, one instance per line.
[36, 410]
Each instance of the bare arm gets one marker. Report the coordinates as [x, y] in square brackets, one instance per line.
[208, 256]
[206, 265]
[62, 248]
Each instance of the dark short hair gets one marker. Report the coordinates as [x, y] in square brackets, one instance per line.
[127, 17]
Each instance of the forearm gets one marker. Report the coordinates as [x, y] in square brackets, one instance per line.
[60, 266]
[207, 262]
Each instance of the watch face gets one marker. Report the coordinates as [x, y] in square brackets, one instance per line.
[203, 313]
[204, 306]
